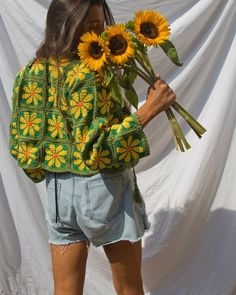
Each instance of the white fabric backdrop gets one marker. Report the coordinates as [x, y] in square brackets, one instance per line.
[190, 197]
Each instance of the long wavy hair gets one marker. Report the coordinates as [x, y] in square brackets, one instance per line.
[63, 27]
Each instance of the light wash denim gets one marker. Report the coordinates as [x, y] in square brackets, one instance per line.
[98, 208]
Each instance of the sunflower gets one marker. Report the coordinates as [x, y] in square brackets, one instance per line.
[92, 51]
[151, 27]
[120, 44]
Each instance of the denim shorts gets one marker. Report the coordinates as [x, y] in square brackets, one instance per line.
[98, 208]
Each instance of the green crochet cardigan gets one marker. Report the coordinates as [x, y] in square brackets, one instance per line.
[85, 133]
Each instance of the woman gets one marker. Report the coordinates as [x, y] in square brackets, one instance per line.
[95, 201]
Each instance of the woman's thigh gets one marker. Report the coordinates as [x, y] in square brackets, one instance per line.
[125, 261]
[69, 267]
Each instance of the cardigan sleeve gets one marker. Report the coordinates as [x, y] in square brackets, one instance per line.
[101, 140]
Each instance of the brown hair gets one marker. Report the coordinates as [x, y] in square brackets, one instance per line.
[63, 27]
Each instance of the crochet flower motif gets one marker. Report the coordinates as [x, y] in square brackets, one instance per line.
[14, 130]
[36, 67]
[77, 73]
[129, 149]
[27, 153]
[54, 68]
[56, 126]
[80, 104]
[36, 173]
[82, 136]
[112, 120]
[98, 159]
[104, 101]
[52, 98]
[32, 93]
[55, 155]
[126, 124]
[78, 160]
[30, 123]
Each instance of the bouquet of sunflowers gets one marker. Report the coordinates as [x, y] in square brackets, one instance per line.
[124, 48]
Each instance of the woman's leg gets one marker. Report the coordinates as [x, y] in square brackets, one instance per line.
[69, 267]
[125, 260]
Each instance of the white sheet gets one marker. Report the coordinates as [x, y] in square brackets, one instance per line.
[190, 197]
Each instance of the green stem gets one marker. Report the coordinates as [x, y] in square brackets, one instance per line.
[169, 115]
[144, 77]
[194, 124]
[150, 71]
[187, 145]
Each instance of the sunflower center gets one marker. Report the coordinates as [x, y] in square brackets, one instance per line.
[118, 45]
[149, 30]
[95, 50]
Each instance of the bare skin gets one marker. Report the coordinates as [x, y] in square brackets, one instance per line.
[69, 262]
[69, 267]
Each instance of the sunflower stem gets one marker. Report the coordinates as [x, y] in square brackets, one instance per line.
[144, 77]
[178, 139]
[194, 124]
[178, 128]
[151, 75]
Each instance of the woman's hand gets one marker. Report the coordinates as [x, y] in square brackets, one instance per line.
[159, 98]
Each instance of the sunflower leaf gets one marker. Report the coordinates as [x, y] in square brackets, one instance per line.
[128, 77]
[139, 45]
[170, 50]
[130, 25]
[104, 35]
[132, 96]
[115, 91]
[108, 75]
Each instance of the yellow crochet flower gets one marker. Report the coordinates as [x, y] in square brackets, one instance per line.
[55, 155]
[56, 126]
[80, 104]
[64, 105]
[32, 93]
[125, 124]
[54, 68]
[37, 67]
[36, 173]
[82, 136]
[14, 130]
[77, 73]
[29, 123]
[79, 161]
[99, 159]
[129, 149]
[104, 101]
[112, 120]
[26, 153]
[52, 97]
